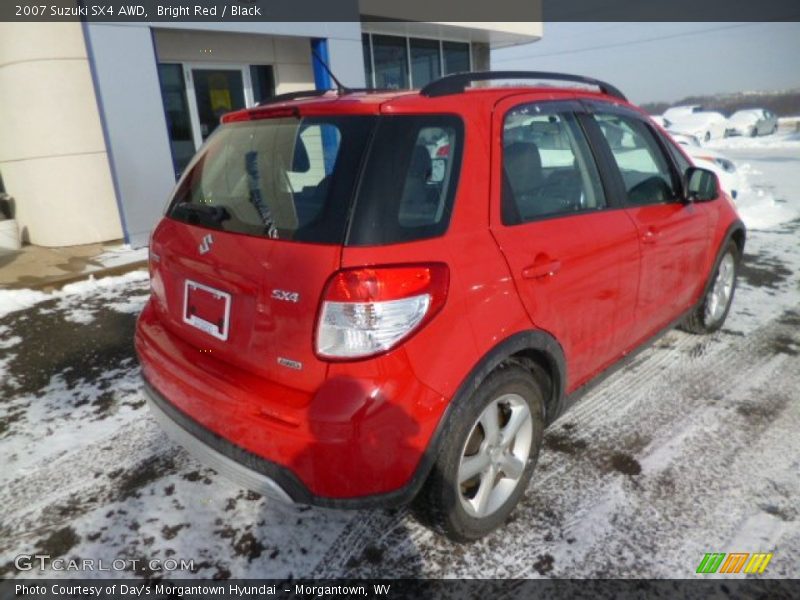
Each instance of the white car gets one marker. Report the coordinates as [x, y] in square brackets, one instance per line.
[712, 160]
[752, 122]
[660, 120]
[677, 112]
[704, 125]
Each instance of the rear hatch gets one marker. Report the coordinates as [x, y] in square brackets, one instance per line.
[253, 233]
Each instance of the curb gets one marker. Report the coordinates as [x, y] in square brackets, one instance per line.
[56, 282]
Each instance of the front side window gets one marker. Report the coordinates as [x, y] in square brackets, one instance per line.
[548, 168]
[644, 168]
[680, 160]
[285, 178]
[409, 180]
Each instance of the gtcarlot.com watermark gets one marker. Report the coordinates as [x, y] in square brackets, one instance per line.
[43, 562]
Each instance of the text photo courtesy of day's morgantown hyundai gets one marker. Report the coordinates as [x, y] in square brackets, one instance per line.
[301, 300]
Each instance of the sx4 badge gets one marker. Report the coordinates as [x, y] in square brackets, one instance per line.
[285, 296]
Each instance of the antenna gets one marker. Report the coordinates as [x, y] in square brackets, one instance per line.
[340, 87]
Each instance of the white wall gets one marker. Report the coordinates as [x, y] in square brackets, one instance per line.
[52, 152]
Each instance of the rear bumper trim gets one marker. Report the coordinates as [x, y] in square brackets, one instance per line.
[257, 473]
[232, 468]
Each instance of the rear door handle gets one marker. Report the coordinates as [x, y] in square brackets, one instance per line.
[540, 269]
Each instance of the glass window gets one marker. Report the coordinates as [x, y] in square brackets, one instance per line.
[218, 91]
[678, 156]
[391, 61]
[284, 178]
[548, 168]
[644, 167]
[176, 111]
[409, 182]
[456, 57]
[367, 59]
[263, 80]
[426, 61]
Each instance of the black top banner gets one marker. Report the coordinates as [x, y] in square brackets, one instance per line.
[127, 11]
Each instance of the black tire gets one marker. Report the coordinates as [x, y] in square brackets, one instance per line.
[707, 137]
[698, 321]
[439, 503]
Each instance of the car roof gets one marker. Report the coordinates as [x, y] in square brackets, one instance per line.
[396, 101]
[446, 94]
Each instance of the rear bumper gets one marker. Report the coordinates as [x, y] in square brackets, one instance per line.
[232, 462]
[360, 440]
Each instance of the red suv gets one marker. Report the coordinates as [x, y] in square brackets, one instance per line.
[366, 298]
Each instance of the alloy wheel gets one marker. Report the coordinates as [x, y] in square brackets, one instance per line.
[495, 455]
[719, 295]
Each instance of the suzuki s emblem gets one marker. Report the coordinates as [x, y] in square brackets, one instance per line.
[205, 244]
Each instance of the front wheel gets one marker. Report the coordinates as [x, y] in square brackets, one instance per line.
[486, 461]
[710, 314]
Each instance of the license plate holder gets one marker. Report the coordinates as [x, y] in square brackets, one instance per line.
[207, 309]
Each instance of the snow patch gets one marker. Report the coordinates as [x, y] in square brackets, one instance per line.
[783, 141]
[5, 344]
[14, 300]
[104, 288]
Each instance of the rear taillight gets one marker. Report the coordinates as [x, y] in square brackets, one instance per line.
[367, 311]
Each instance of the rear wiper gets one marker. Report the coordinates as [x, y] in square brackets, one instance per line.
[206, 213]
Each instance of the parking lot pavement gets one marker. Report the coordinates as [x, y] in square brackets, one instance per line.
[691, 448]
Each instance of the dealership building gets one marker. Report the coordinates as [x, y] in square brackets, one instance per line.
[98, 119]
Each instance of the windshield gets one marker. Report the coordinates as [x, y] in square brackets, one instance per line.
[744, 116]
[285, 178]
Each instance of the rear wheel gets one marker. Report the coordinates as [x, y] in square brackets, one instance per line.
[710, 313]
[487, 458]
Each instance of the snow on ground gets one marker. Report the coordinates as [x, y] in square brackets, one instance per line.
[691, 448]
[761, 162]
[69, 296]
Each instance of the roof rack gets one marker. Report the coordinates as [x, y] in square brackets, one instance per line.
[458, 82]
[287, 97]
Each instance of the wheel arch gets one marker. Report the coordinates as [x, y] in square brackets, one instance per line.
[737, 233]
[535, 350]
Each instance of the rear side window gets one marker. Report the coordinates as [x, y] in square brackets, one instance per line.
[409, 180]
[548, 168]
[285, 178]
[645, 169]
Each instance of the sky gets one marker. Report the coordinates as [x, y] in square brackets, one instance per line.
[652, 62]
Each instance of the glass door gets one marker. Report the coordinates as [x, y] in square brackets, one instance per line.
[212, 92]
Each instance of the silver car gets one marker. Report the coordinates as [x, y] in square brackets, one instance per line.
[752, 122]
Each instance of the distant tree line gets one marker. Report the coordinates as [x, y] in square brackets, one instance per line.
[783, 104]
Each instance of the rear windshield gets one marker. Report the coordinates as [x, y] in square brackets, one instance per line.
[281, 178]
[296, 179]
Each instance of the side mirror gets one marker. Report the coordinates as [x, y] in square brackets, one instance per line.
[700, 185]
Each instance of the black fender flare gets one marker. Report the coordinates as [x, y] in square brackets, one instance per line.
[735, 227]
